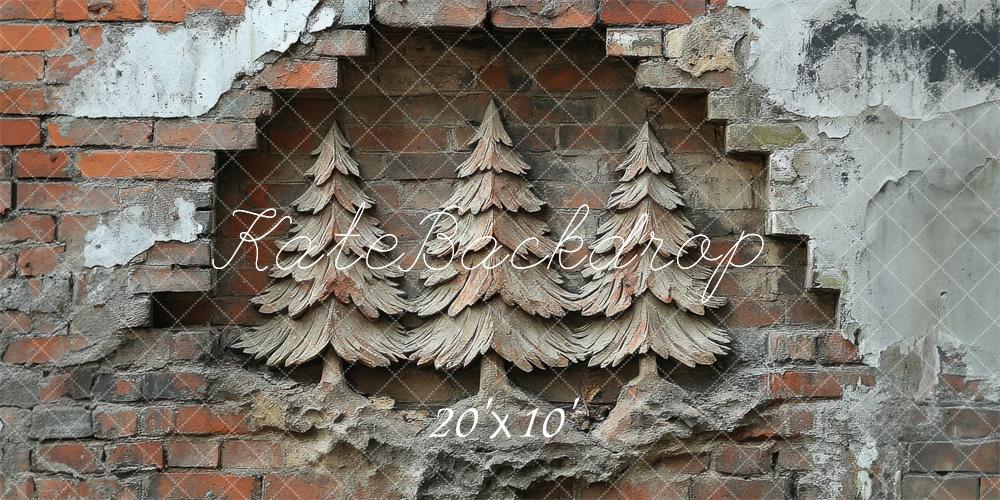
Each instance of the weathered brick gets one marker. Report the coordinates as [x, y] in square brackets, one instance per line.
[206, 135]
[104, 10]
[253, 454]
[32, 37]
[15, 322]
[940, 488]
[634, 42]
[651, 11]
[19, 387]
[21, 68]
[785, 347]
[157, 421]
[42, 350]
[168, 279]
[54, 422]
[550, 14]
[345, 43]
[664, 74]
[803, 384]
[720, 488]
[98, 132]
[146, 164]
[70, 458]
[142, 455]
[784, 423]
[750, 312]
[19, 131]
[63, 68]
[431, 13]
[402, 139]
[834, 349]
[278, 487]
[6, 197]
[971, 423]
[115, 422]
[989, 488]
[300, 74]
[38, 261]
[176, 10]
[244, 104]
[20, 489]
[209, 420]
[192, 453]
[117, 387]
[951, 457]
[27, 9]
[75, 385]
[66, 196]
[176, 253]
[760, 138]
[43, 163]
[743, 460]
[177, 485]
[166, 385]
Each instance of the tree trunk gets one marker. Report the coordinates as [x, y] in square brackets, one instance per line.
[333, 369]
[492, 374]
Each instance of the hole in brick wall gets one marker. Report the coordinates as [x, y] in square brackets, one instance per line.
[409, 109]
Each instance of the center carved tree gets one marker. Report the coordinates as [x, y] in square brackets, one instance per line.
[648, 302]
[324, 302]
[489, 296]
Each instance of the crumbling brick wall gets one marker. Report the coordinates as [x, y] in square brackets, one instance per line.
[118, 380]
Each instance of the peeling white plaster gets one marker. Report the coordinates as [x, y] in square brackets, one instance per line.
[132, 231]
[323, 18]
[143, 71]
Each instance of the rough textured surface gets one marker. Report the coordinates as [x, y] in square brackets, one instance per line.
[859, 137]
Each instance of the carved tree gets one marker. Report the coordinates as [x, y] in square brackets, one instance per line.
[329, 304]
[489, 303]
[647, 300]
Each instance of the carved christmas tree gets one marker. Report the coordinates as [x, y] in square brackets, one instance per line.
[324, 301]
[493, 299]
[647, 300]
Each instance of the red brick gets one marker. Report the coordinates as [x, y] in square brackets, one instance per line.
[41, 350]
[43, 163]
[751, 312]
[182, 485]
[627, 489]
[253, 454]
[346, 43]
[48, 487]
[431, 13]
[117, 387]
[801, 384]
[543, 13]
[6, 197]
[989, 488]
[28, 227]
[743, 460]
[92, 36]
[19, 131]
[299, 74]
[167, 385]
[206, 135]
[38, 261]
[144, 455]
[399, 138]
[176, 253]
[573, 77]
[157, 421]
[941, 488]
[23, 489]
[146, 164]
[209, 420]
[711, 488]
[27, 68]
[87, 132]
[971, 423]
[280, 487]
[62, 69]
[32, 37]
[110, 423]
[66, 196]
[7, 266]
[651, 11]
[74, 458]
[23, 101]
[193, 453]
[835, 349]
[26, 9]
[785, 347]
[819, 309]
[170, 279]
[103, 10]
[951, 457]
[175, 10]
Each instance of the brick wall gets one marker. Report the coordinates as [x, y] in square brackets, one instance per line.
[118, 379]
